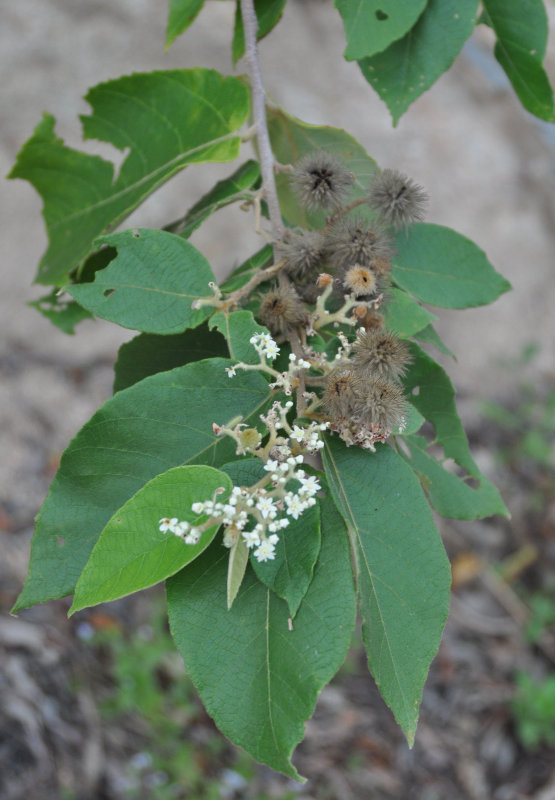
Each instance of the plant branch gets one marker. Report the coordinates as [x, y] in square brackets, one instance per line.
[267, 161]
[250, 26]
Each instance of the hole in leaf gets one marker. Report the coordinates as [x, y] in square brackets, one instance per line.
[136, 234]
[416, 391]
[381, 15]
[108, 292]
[61, 541]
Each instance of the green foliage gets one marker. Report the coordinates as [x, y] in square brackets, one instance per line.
[404, 315]
[444, 268]
[182, 13]
[521, 30]
[263, 613]
[533, 708]
[131, 552]
[257, 677]
[149, 353]
[63, 313]
[291, 139]
[151, 283]
[403, 572]
[372, 25]
[237, 328]
[408, 67]
[229, 190]
[152, 695]
[162, 422]
[167, 120]
[433, 395]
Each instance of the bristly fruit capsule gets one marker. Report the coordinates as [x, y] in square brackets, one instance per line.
[304, 253]
[339, 397]
[320, 181]
[380, 354]
[282, 310]
[398, 200]
[379, 403]
[352, 241]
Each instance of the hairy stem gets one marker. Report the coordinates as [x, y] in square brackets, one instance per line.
[267, 162]
[250, 26]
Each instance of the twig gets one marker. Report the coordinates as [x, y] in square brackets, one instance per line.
[250, 26]
[267, 161]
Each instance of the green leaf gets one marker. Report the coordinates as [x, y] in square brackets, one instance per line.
[429, 335]
[256, 677]
[151, 283]
[290, 573]
[521, 27]
[230, 190]
[162, 422]
[291, 139]
[236, 569]
[403, 572]
[238, 327]
[149, 353]
[268, 13]
[182, 14]
[244, 272]
[167, 120]
[132, 553]
[444, 268]
[408, 67]
[372, 25]
[63, 313]
[404, 315]
[432, 393]
[414, 420]
[450, 495]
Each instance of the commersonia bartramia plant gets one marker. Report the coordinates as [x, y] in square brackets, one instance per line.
[263, 452]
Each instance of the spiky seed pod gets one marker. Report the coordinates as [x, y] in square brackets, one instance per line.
[360, 281]
[339, 398]
[320, 180]
[351, 241]
[398, 200]
[379, 403]
[282, 310]
[304, 253]
[381, 354]
[371, 320]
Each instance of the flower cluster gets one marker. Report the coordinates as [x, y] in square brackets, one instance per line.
[255, 513]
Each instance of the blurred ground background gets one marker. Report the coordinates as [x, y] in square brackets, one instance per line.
[66, 725]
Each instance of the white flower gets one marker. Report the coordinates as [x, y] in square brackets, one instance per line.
[230, 372]
[266, 507]
[182, 528]
[197, 508]
[167, 524]
[252, 538]
[193, 536]
[271, 350]
[271, 466]
[310, 486]
[295, 506]
[266, 551]
[298, 433]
